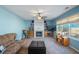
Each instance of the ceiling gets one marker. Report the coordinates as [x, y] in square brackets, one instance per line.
[26, 11]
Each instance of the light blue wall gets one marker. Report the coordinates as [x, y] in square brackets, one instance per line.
[51, 24]
[74, 42]
[11, 23]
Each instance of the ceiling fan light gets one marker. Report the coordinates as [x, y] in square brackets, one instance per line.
[39, 17]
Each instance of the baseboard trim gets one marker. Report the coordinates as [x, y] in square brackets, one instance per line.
[74, 48]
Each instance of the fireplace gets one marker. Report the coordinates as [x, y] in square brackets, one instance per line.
[39, 34]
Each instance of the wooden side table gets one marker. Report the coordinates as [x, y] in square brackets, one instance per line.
[66, 41]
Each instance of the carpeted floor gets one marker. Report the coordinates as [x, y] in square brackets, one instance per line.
[52, 47]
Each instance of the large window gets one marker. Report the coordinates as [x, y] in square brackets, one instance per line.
[63, 29]
[69, 26]
[59, 28]
[74, 30]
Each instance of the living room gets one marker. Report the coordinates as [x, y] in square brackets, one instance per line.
[24, 28]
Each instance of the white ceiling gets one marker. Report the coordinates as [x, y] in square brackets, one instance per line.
[51, 11]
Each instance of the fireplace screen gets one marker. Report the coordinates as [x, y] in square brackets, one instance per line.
[38, 34]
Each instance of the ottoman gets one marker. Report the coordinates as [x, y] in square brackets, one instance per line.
[37, 47]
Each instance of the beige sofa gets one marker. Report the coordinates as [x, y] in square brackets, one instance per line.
[8, 40]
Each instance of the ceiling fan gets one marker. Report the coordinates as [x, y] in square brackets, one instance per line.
[39, 14]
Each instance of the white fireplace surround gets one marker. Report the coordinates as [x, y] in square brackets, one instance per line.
[38, 27]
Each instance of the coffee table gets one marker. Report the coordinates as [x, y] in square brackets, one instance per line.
[37, 47]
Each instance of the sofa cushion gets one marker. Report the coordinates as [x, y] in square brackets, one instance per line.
[11, 36]
[7, 38]
[12, 49]
[3, 40]
[25, 42]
